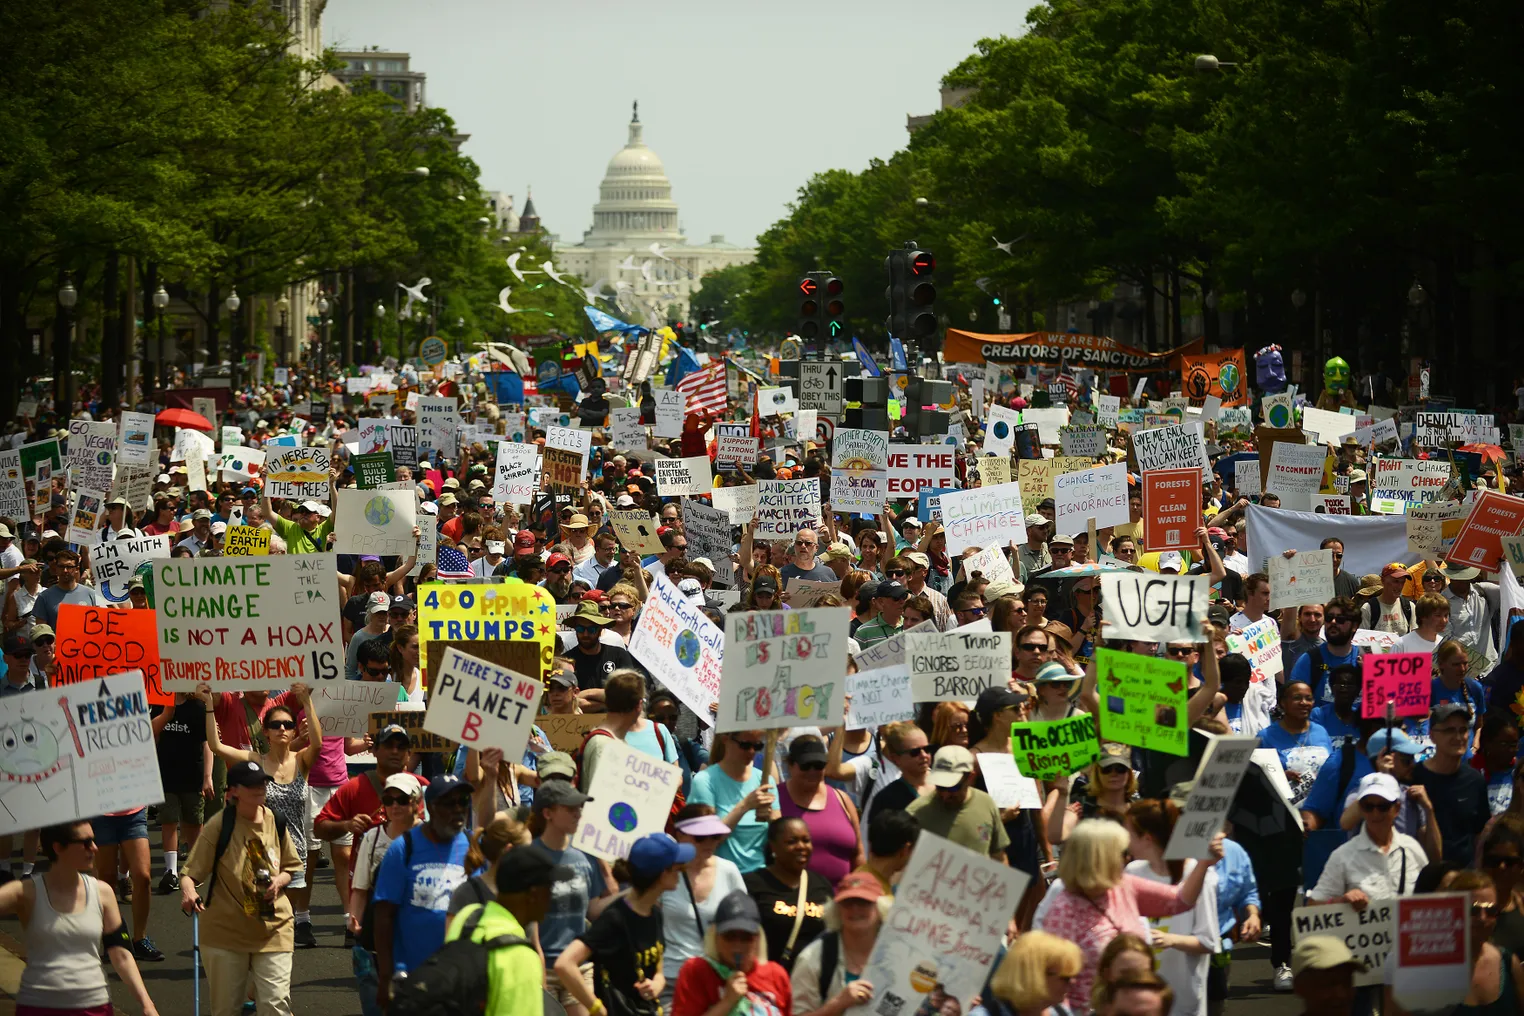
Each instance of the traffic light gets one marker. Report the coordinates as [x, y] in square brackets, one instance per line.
[809, 327]
[912, 297]
[835, 310]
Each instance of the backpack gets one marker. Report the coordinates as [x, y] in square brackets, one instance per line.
[1317, 668]
[679, 799]
[367, 936]
[225, 837]
[830, 953]
[1373, 606]
[454, 981]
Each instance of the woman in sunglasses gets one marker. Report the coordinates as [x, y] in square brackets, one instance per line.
[1378, 863]
[287, 795]
[401, 807]
[831, 817]
[689, 910]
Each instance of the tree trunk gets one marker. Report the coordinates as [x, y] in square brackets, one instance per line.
[151, 359]
[62, 347]
[1150, 324]
[12, 338]
[111, 325]
[1177, 320]
[213, 323]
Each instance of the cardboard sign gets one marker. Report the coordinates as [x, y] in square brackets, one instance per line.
[983, 517]
[1035, 476]
[247, 541]
[955, 666]
[1404, 678]
[1222, 768]
[560, 471]
[1099, 494]
[418, 739]
[914, 469]
[740, 502]
[482, 705]
[1154, 608]
[13, 499]
[671, 407]
[859, 470]
[786, 506]
[680, 647]
[675, 477]
[376, 522]
[373, 470]
[1479, 544]
[993, 470]
[344, 707]
[636, 530]
[114, 564]
[879, 696]
[75, 752]
[1306, 578]
[804, 593]
[567, 731]
[1143, 700]
[1047, 749]
[248, 624]
[298, 474]
[783, 669]
[95, 642]
[1087, 441]
[632, 795]
[572, 439]
[990, 562]
[511, 612]
[1433, 951]
[1171, 508]
[1369, 933]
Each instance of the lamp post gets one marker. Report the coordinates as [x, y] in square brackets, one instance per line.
[235, 359]
[63, 343]
[323, 308]
[161, 301]
[380, 314]
[284, 306]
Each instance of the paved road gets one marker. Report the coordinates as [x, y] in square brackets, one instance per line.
[323, 981]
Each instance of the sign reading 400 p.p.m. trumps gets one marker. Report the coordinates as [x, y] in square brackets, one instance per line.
[510, 612]
[247, 623]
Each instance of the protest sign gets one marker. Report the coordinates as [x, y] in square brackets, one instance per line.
[514, 473]
[240, 464]
[1328, 426]
[1098, 494]
[1171, 508]
[1306, 578]
[1087, 441]
[1331, 504]
[567, 731]
[675, 477]
[438, 423]
[708, 533]
[1035, 477]
[1513, 554]
[679, 647]
[786, 506]
[298, 474]
[632, 795]
[1222, 767]
[247, 624]
[636, 530]
[373, 470]
[783, 669]
[1048, 422]
[510, 612]
[97, 641]
[739, 502]
[1479, 542]
[671, 407]
[1369, 933]
[86, 517]
[134, 439]
[114, 564]
[13, 500]
[627, 433]
[983, 517]
[1046, 749]
[1402, 678]
[246, 541]
[954, 666]
[891, 651]
[1142, 700]
[1396, 484]
[376, 522]
[1246, 478]
[35, 453]
[914, 469]
[1173, 447]
[951, 909]
[1005, 784]
[879, 696]
[804, 593]
[859, 470]
[1262, 648]
[560, 471]
[1434, 953]
[990, 562]
[410, 718]
[1154, 608]
[482, 705]
[75, 752]
[999, 430]
[993, 470]
[735, 446]
[572, 439]
[344, 707]
[1295, 473]
[92, 453]
[1433, 526]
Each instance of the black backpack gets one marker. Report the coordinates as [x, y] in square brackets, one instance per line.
[453, 981]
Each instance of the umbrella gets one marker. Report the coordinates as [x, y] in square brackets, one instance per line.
[1488, 452]
[1074, 571]
[177, 417]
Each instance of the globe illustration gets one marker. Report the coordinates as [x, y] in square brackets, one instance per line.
[1227, 378]
[379, 511]
[687, 648]
[623, 817]
[1002, 430]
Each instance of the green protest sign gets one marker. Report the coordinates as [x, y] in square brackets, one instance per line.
[373, 470]
[1046, 749]
[1142, 701]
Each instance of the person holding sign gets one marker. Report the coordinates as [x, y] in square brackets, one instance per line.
[1185, 940]
[1302, 745]
[1497, 973]
[732, 977]
[733, 786]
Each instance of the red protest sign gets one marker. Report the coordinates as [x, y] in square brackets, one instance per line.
[97, 641]
[1171, 508]
[1479, 544]
[1404, 678]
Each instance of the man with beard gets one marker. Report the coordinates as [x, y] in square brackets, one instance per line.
[593, 660]
[1340, 619]
[558, 580]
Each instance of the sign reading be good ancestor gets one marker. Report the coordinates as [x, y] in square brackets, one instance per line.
[632, 795]
[246, 541]
[1222, 768]
[1171, 508]
[675, 477]
[786, 506]
[480, 704]
[1046, 749]
[1306, 578]
[680, 647]
[1143, 700]
[983, 517]
[1368, 933]
[783, 669]
[955, 666]
[1403, 678]
[97, 641]
[1154, 608]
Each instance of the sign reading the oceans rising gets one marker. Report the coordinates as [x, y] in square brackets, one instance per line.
[1046, 749]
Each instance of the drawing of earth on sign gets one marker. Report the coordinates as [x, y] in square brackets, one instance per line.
[1228, 378]
[1001, 429]
[1280, 415]
[687, 648]
[379, 512]
[623, 817]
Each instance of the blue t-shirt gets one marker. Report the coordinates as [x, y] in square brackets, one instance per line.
[744, 846]
[567, 917]
[1303, 754]
[1302, 669]
[1325, 716]
[421, 890]
[1324, 799]
[1470, 689]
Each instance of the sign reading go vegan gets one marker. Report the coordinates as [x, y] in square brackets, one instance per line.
[247, 624]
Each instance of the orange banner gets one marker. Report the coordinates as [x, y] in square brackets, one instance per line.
[1055, 349]
[1220, 374]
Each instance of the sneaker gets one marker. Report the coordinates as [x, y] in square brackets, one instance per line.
[1282, 978]
[124, 888]
[304, 937]
[143, 951]
[170, 883]
[322, 861]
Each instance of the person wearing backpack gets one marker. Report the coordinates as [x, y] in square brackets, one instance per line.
[1389, 610]
[247, 857]
[624, 693]
[1340, 620]
[827, 975]
[421, 869]
[400, 797]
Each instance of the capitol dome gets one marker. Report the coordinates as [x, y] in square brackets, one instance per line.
[635, 197]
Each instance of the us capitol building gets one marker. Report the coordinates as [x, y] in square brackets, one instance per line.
[635, 210]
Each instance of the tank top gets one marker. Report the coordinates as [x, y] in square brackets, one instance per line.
[1506, 1004]
[833, 832]
[63, 968]
[289, 801]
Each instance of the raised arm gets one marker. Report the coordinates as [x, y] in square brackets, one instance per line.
[232, 756]
[309, 754]
[1209, 552]
[1211, 682]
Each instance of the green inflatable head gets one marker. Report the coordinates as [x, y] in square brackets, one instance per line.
[1336, 374]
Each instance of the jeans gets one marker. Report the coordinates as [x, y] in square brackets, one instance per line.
[366, 981]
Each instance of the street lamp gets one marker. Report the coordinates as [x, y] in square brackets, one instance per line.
[161, 301]
[1206, 62]
[284, 306]
[380, 314]
[421, 172]
[232, 303]
[63, 342]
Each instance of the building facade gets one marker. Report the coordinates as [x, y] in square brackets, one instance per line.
[385, 72]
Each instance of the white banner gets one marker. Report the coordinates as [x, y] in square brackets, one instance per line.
[786, 506]
[955, 666]
[1371, 542]
[983, 517]
[516, 473]
[1329, 427]
[481, 705]
[92, 453]
[376, 522]
[783, 669]
[991, 562]
[134, 441]
[114, 564]
[675, 477]
[1099, 493]
[1154, 608]
[680, 647]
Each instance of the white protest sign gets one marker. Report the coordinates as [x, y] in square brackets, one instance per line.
[85, 520]
[249, 622]
[1087, 440]
[1306, 578]
[1108, 410]
[1178, 447]
[636, 530]
[1296, 472]
[438, 423]
[783, 669]
[680, 647]
[1434, 959]
[428, 546]
[914, 469]
[298, 474]
[344, 707]
[572, 439]
[889, 652]
[240, 463]
[625, 429]
[740, 502]
[481, 704]
[1222, 767]
[1398, 483]
[114, 564]
[803, 425]
[859, 470]
[786, 506]
[1331, 504]
[376, 522]
[75, 752]
[1004, 782]
[13, 500]
[879, 696]
[773, 401]
[515, 473]
[1000, 430]
[735, 446]
[949, 918]
[671, 407]
[1154, 608]
[134, 440]
[1049, 421]
[956, 666]
[1328, 426]
[632, 795]
[1369, 933]
[983, 517]
[675, 477]
[1246, 479]
[991, 562]
[92, 453]
[1099, 493]
[708, 533]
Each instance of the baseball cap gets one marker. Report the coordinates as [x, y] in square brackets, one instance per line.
[1402, 744]
[447, 498]
[837, 552]
[524, 540]
[1171, 560]
[400, 603]
[202, 515]
[448, 783]
[248, 492]
[624, 501]
[1114, 754]
[560, 793]
[136, 582]
[1382, 785]
[1046, 502]
[405, 782]
[912, 521]
[1061, 540]
[992, 700]
[736, 912]
[805, 749]
[528, 867]
[1035, 519]
[220, 528]
[891, 590]
[496, 547]
[1357, 476]
[311, 506]
[951, 763]
[452, 484]
[764, 585]
[654, 853]
[918, 557]
[859, 885]
[248, 774]
[555, 559]
[565, 678]
[1395, 568]
[377, 602]
[1442, 711]
[42, 631]
[390, 731]
[17, 644]
[1322, 952]
[557, 763]
[691, 588]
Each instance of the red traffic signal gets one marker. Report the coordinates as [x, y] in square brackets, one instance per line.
[833, 287]
[922, 263]
[808, 287]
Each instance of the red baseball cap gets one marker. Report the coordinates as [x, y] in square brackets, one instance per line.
[555, 559]
[524, 540]
[596, 595]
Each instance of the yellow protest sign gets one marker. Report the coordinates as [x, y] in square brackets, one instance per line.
[511, 612]
[1036, 479]
[246, 541]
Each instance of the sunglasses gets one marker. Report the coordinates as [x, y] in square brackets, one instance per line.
[83, 841]
[922, 750]
[1494, 861]
[280, 724]
[1180, 650]
[1034, 647]
[1486, 911]
[377, 672]
[748, 745]
[976, 611]
[1382, 806]
[395, 799]
[811, 767]
[894, 573]
[621, 606]
[1338, 619]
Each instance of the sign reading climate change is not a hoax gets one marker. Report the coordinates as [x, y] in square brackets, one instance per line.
[783, 669]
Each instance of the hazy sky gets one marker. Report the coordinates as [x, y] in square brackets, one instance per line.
[743, 102]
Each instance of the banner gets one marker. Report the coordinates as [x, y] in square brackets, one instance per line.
[1154, 608]
[1099, 493]
[134, 440]
[786, 506]
[680, 647]
[344, 707]
[478, 704]
[675, 477]
[1306, 578]
[1404, 679]
[248, 624]
[983, 517]
[859, 470]
[114, 564]
[98, 641]
[572, 439]
[1047, 749]
[238, 465]
[1220, 375]
[1221, 769]
[783, 669]
[990, 562]
[631, 796]
[954, 666]
[1479, 543]
[1368, 933]
[1434, 952]
[1171, 508]
[298, 474]
[1143, 701]
[247, 541]
[627, 433]
[1371, 542]
[1262, 648]
[1057, 349]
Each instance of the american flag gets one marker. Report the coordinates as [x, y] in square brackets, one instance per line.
[705, 390]
[1066, 378]
[453, 563]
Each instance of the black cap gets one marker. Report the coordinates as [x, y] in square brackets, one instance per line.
[400, 602]
[992, 700]
[765, 584]
[891, 590]
[805, 749]
[523, 868]
[17, 644]
[565, 678]
[248, 774]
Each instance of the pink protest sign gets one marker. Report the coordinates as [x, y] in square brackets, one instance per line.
[1401, 677]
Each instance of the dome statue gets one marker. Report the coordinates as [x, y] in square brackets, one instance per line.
[635, 197]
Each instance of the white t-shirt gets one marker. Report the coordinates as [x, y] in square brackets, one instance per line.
[1413, 642]
[11, 557]
[1393, 617]
[1186, 973]
[368, 861]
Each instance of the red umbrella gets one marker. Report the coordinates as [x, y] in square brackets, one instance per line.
[1488, 452]
[177, 417]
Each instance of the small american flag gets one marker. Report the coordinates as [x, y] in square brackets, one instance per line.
[453, 563]
[705, 390]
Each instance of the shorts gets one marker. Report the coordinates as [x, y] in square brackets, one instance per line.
[110, 830]
[555, 987]
[104, 1009]
[316, 798]
[188, 807]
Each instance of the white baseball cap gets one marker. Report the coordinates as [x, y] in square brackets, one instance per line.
[1382, 785]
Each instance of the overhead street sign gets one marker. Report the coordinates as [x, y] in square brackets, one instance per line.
[820, 386]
